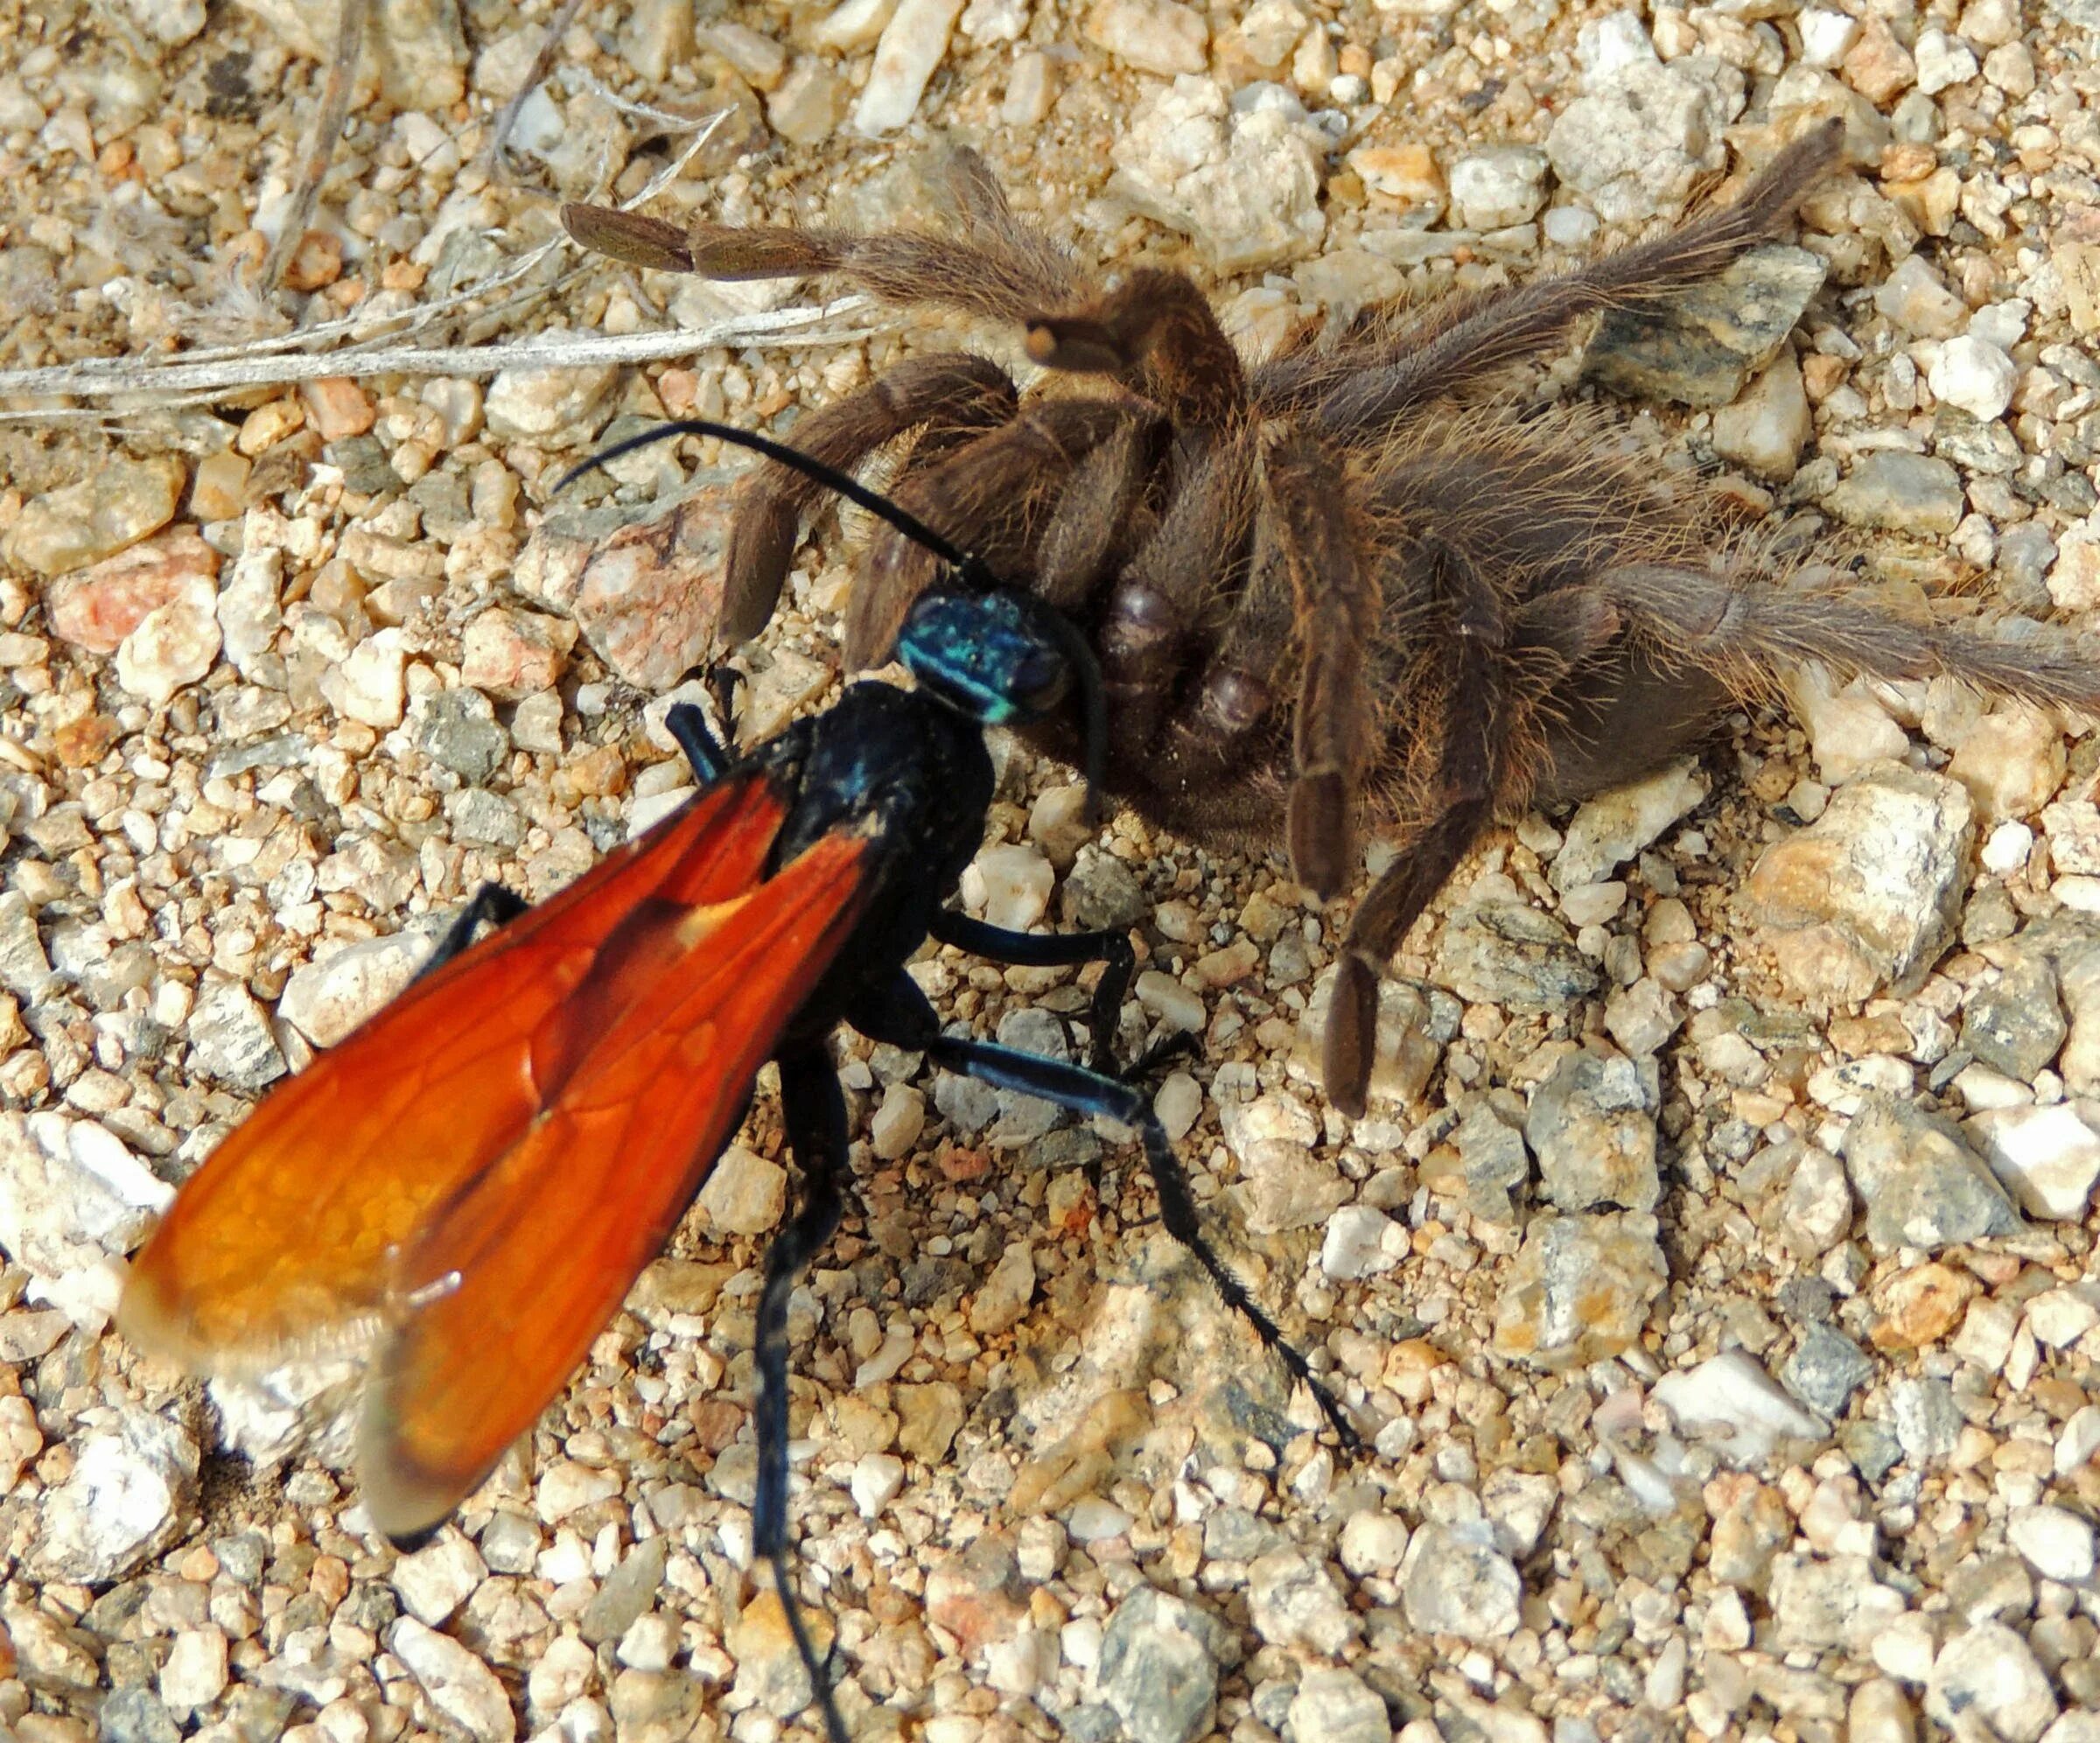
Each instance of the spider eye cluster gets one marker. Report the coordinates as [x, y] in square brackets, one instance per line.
[984, 654]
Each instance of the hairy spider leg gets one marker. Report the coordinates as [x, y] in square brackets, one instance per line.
[1463, 338]
[1336, 594]
[1468, 780]
[948, 391]
[991, 495]
[1104, 512]
[1734, 630]
[1156, 333]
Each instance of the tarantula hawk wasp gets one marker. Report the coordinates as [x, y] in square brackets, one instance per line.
[478, 1174]
[1346, 578]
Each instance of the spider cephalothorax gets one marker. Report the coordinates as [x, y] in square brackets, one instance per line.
[1335, 579]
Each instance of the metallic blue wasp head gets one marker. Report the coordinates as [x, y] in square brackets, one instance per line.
[994, 655]
[988, 656]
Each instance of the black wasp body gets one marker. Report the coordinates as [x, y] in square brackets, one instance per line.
[502, 1151]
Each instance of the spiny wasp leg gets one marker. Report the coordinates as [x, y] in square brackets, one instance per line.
[689, 729]
[1056, 951]
[1094, 1092]
[491, 905]
[816, 1114]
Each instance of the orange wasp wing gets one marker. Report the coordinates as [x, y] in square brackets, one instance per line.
[286, 1239]
[506, 1285]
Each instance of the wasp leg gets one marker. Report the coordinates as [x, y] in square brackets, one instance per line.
[815, 1116]
[905, 1019]
[708, 754]
[491, 905]
[1056, 951]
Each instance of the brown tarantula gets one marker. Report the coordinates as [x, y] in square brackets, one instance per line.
[1345, 575]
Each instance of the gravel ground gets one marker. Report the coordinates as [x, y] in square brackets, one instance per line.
[1714, 1271]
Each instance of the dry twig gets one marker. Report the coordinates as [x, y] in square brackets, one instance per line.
[321, 139]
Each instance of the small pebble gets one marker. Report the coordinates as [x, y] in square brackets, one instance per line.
[1974, 375]
[913, 44]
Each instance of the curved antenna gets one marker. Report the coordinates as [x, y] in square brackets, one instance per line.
[973, 569]
[968, 567]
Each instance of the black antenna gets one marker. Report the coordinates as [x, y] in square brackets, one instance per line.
[968, 567]
[972, 569]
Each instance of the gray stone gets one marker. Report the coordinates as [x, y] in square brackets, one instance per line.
[459, 730]
[72, 1195]
[1239, 175]
[1988, 1677]
[1870, 894]
[1638, 138]
[1496, 1166]
[1025, 1119]
[362, 461]
[1578, 1290]
[434, 1581]
[1101, 894]
[2013, 1025]
[1454, 1579]
[1591, 1124]
[1902, 493]
[1922, 1184]
[459, 1685]
[1234, 1534]
[1293, 1601]
[1826, 1370]
[230, 1038]
[1701, 347]
[1336, 1706]
[2024, 552]
[1991, 1589]
[1928, 1419]
[1503, 185]
[1158, 1667]
[1817, 1605]
[626, 1594]
[965, 1102]
[1814, 1212]
[122, 1502]
[1509, 953]
[1870, 1445]
[1990, 448]
[25, 969]
[486, 819]
[136, 1715]
[1611, 828]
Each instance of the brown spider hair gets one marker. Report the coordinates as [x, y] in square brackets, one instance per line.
[1346, 577]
